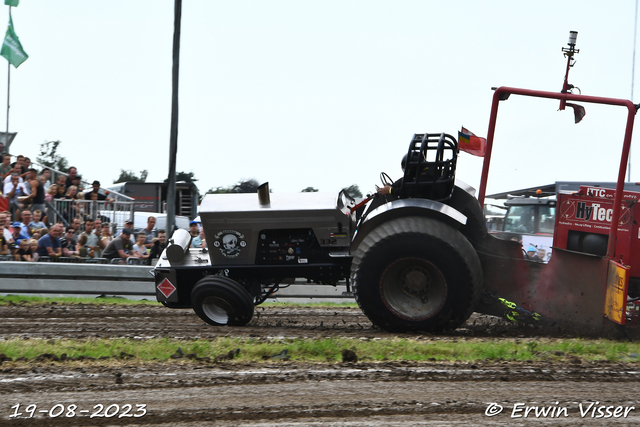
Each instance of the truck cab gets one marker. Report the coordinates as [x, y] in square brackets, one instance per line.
[530, 221]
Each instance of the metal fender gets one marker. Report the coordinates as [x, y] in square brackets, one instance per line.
[407, 207]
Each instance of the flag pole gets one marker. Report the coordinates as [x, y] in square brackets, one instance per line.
[6, 135]
[5, 147]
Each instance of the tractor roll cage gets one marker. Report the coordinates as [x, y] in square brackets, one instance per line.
[430, 167]
[503, 93]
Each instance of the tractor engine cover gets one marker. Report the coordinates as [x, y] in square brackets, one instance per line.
[242, 230]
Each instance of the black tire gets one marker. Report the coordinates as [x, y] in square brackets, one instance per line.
[416, 274]
[222, 301]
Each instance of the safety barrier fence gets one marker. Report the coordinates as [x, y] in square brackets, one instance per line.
[75, 278]
[61, 278]
[82, 260]
[66, 210]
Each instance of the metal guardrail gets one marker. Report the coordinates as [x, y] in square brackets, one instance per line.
[112, 212]
[64, 278]
[97, 279]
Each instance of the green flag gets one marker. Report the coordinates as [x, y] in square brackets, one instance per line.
[11, 47]
[13, 3]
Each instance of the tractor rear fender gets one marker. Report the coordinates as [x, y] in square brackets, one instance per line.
[407, 207]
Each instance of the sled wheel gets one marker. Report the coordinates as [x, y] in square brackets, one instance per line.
[416, 274]
[221, 301]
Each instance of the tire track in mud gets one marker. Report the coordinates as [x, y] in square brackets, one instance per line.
[107, 321]
[102, 321]
[189, 393]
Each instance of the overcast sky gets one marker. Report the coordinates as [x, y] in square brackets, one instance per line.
[318, 93]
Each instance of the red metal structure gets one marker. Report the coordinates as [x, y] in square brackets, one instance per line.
[576, 288]
[584, 224]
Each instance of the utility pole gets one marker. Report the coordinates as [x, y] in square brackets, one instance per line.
[173, 142]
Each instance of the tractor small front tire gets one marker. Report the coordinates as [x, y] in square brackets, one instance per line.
[222, 301]
[416, 274]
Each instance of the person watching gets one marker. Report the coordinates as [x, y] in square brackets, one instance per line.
[33, 244]
[36, 222]
[24, 251]
[158, 245]
[69, 244]
[5, 166]
[16, 230]
[49, 244]
[36, 197]
[84, 250]
[120, 247]
[105, 234]
[139, 249]
[45, 178]
[95, 193]
[4, 244]
[148, 231]
[196, 240]
[94, 243]
[73, 172]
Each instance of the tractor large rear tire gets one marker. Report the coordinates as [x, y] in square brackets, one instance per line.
[222, 301]
[416, 274]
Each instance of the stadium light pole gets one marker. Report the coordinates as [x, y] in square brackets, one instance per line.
[173, 141]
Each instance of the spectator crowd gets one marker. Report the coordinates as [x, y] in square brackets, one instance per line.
[32, 230]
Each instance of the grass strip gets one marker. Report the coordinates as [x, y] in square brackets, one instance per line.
[317, 350]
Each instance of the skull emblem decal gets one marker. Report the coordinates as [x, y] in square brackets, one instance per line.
[230, 243]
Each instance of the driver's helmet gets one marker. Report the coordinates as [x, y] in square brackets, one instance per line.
[414, 157]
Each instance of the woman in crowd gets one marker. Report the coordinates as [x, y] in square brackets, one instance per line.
[45, 179]
[106, 234]
[139, 249]
[69, 209]
[51, 193]
[60, 192]
[72, 193]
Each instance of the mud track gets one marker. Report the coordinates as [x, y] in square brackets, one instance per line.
[185, 393]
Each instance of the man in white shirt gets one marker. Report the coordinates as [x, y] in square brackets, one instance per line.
[15, 170]
[13, 190]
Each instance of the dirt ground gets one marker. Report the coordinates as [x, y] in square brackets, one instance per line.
[288, 393]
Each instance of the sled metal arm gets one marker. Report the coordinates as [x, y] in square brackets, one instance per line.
[502, 93]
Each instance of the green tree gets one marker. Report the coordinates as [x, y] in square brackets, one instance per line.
[130, 176]
[246, 186]
[309, 190]
[218, 190]
[50, 158]
[353, 191]
[184, 176]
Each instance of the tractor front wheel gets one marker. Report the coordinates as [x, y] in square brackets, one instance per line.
[221, 301]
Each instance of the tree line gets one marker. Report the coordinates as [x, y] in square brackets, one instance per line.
[50, 157]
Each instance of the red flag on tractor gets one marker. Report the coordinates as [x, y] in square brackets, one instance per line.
[472, 144]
